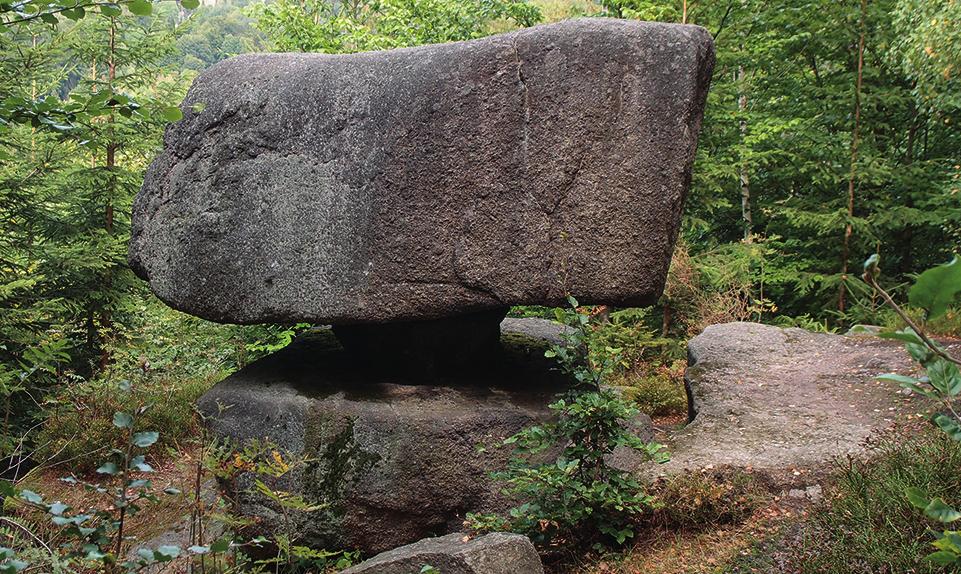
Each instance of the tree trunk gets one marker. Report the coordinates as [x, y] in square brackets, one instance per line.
[852, 178]
[746, 216]
[110, 163]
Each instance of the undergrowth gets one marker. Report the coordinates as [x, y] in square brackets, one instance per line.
[866, 524]
[79, 422]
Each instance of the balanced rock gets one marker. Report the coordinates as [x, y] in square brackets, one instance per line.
[497, 553]
[428, 182]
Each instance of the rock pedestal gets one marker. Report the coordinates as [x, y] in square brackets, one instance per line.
[394, 458]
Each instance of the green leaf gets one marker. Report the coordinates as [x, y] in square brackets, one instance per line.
[166, 553]
[139, 463]
[111, 10]
[221, 545]
[917, 497]
[893, 377]
[144, 439]
[907, 335]
[190, 4]
[938, 510]
[944, 376]
[140, 7]
[172, 114]
[949, 425]
[31, 496]
[49, 18]
[108, 468]
[7, 489]
[146, 554]
[937, 288]
[74, 14]
[942, 557]
[122, 420]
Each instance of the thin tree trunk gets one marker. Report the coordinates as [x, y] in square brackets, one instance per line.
[746, 216]
[684, 13]
[110, 163]
[848, 229]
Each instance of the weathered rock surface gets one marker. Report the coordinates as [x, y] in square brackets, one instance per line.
[497, 553]
[771, 398]
[395, 457]
[428, 182]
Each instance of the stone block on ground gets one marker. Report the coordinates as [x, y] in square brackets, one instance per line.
[772, 399]
[457, 553]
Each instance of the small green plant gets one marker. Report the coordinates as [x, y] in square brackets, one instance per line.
[708, 497]
[95, 537]
[577, 495]
[934, 291]
[266, 467]
[79, 417]
[656, 389]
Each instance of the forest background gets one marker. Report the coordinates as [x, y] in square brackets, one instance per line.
[830, 135]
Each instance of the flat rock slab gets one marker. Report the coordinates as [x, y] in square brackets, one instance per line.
[497, 553]
[428, 182]
[771, 398]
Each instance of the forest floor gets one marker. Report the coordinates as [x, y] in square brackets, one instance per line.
[717, 517]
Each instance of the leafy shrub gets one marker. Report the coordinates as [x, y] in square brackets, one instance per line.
[93, 537]
[629, 332]
[805, 322]
[708, 497]
[718, 286]
[577, 496]
[656, 390]
[934, 291]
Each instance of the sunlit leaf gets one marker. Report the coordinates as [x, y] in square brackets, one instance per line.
[937, 288]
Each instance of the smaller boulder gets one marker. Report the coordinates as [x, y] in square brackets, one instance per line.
[458, 553]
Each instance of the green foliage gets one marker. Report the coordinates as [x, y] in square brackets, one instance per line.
[870, 522]
[937, 289]
[95, 537]
[928, 48]
[267, 467]
[317, 26]
[780, 118]
[656, 390]
[708, 497]
[577, 496]
[934, 291]
[81, 424]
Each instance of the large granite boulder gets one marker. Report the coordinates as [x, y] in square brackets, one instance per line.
[428, 182]
[497, 553]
